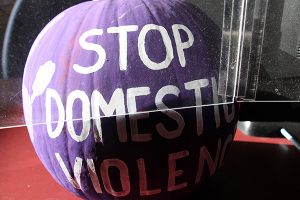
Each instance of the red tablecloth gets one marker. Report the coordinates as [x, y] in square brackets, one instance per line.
[257, 168]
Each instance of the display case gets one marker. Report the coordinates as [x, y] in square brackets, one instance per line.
[255, 54]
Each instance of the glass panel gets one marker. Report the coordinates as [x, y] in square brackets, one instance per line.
[232, 37]
[270, 59]
[171, 63]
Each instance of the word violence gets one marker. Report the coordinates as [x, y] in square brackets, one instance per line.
[204, 160]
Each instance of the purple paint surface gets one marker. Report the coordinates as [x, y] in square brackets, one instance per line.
[59, 44]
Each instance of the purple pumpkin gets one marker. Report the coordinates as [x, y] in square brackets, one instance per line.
[104, 58]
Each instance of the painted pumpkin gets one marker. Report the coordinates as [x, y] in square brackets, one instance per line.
[104, 58]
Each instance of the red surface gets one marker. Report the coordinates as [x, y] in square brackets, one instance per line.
[22, 176]
[240, 137]
[257, 168]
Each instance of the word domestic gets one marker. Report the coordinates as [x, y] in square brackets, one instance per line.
[95, 107]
